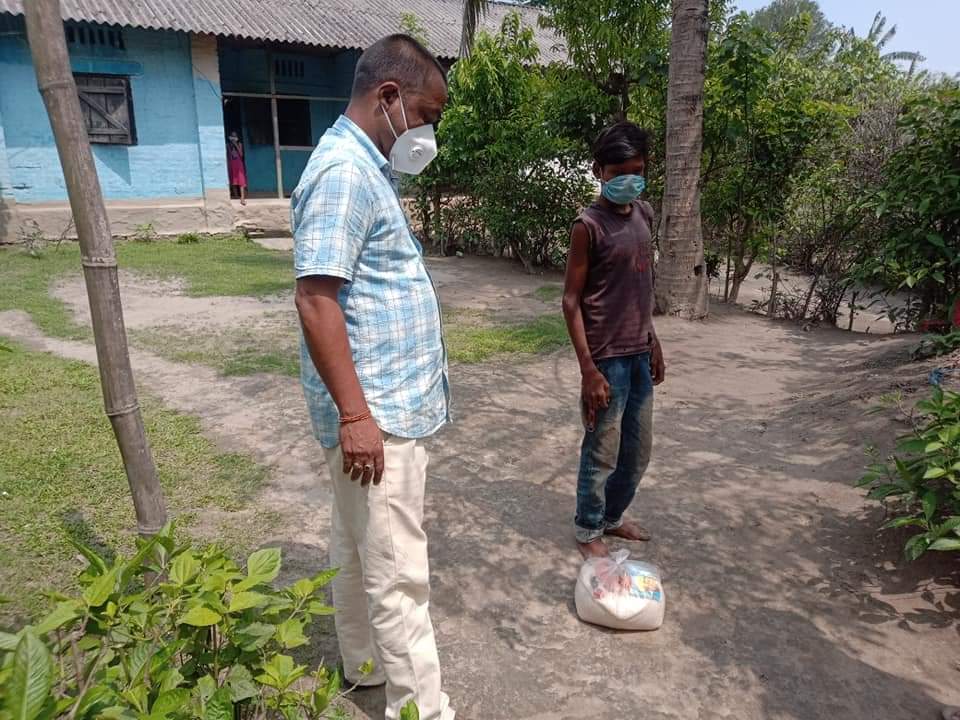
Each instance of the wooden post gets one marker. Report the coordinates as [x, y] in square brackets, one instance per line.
[52, 64]
[276, 124]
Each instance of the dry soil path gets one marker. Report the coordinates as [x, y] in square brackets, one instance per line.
[783, 600]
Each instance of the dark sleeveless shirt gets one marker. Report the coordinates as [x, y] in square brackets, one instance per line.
[617, 300]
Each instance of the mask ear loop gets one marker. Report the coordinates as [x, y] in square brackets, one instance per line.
[389, 121]
[403, 112]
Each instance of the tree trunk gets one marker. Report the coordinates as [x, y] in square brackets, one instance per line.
[772, 307]
[853, 311]
[681, 287]
[726, 282]
[741, 271]
[426, 218]
[438, 230]
[49, 50]
[809, 298]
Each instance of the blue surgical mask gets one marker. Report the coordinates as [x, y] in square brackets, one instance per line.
[623, 189]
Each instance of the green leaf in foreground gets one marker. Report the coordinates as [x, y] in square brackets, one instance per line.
[8, 641]
[264, 564]
[184, 567]
[97, 563]
[60, 616]
[30, 679]
[200, 617]
[101, 588]
[240, 682]
[246, 600]
[170, 701]
[220, 706]
[946, 544]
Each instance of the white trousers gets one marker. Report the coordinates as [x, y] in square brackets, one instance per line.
[382, 592]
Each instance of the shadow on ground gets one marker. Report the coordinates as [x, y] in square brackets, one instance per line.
[783, 600]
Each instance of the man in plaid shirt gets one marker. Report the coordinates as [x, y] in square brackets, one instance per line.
[373, 365]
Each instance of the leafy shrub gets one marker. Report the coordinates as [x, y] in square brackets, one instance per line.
[922, 479]
[919, 204]
[170, 634]
[145, 233]
[532, 220]
[936, 345]
[514, 185]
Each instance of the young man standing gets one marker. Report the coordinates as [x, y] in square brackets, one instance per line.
[373, 365]
[608, 306]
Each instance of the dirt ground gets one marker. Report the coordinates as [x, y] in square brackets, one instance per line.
[783, 601]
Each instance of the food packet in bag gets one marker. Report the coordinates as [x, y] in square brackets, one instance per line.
[620, 593]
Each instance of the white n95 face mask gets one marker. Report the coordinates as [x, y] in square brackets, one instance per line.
[414, 149]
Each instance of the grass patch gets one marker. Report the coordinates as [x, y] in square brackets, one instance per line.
[549, 293]
[25, 281]
[473, 340]
[272, 345]
[61, 474]
[222, 265]
[269, 346]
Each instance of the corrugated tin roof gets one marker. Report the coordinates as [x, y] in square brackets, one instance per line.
[326, 23]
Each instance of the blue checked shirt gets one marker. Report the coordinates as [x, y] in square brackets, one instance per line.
[348, 223]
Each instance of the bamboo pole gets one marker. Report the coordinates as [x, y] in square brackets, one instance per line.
[52, 64]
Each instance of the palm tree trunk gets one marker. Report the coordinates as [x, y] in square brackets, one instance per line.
[681, 276]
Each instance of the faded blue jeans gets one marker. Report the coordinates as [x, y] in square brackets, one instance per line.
[615, 454]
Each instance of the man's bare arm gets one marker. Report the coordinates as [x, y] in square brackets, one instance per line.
[325, 331]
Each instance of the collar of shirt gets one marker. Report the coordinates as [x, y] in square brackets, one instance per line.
[348, 127]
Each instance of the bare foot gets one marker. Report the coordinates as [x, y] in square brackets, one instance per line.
[630, 531]
[593, 549]
[243, 202]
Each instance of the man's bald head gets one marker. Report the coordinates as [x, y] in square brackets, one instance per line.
[396, 58]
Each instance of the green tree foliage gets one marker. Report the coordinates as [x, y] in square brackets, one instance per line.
[780, 14]
[412, 26]
[505, 171]
[762, 113]
[618, 45]
[880, 35]
[826, 232]
[918, 204]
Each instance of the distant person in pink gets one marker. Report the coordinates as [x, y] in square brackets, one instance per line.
[236, 167]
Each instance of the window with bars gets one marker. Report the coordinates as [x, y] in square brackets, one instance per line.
[289, 68]
[107, 107]
[83, 34]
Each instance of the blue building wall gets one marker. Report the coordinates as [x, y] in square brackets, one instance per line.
[170, 121]
[6, 185]
[209, 117]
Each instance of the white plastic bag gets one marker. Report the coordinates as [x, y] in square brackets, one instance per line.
[620, 593]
